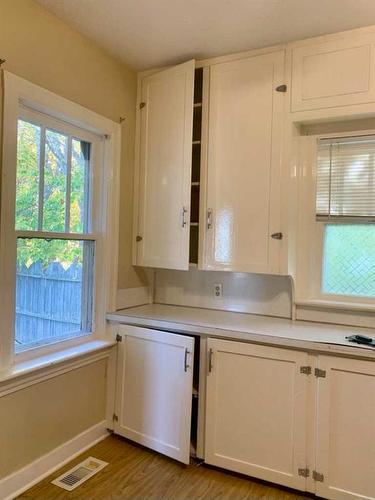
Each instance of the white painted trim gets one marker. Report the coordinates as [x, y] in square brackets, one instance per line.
[348, 316]
[38, 370]
[106, 225]
[337, 304]
[23, 479]
[131, 297]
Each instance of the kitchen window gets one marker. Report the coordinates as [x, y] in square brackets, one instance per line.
[58, 240]
[53, 221]
[335, 273]
[345, 205]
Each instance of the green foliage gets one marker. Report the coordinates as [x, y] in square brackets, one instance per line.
[54, 212]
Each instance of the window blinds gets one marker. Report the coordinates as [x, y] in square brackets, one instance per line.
[345, 188]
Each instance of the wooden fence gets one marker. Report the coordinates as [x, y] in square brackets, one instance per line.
[48, 301]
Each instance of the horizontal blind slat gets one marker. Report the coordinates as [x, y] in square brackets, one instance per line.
[345, 184]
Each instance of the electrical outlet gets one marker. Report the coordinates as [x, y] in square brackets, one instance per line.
[218, 291]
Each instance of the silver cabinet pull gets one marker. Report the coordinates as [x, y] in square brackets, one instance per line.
[209, 218]
[186, 366]
[184, 212]
[210, 356]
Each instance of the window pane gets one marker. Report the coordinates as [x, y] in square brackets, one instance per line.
[79, 186]
[349, 260]
[55, 181]
[346, 178]
[54, 290]
[27, 189]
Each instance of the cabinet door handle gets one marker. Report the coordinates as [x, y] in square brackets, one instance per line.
[186, 366]
[184, 212]
[209, 218]
[210, 356]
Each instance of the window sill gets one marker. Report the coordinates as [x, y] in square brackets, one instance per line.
[25, 373]
[338, 305]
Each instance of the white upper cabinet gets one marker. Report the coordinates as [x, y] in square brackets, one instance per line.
[164, 168]
[243, 172]
[345, 447]
[333, 73]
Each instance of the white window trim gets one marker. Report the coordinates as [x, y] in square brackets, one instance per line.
[19, 91]
[310, 234]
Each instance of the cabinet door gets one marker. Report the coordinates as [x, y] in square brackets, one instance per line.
[256, 411]
[346, 429]
[332, 74]
[165, 151]
[154, 390]
[243, 179]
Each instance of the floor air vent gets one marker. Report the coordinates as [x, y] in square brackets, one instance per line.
[79, 474]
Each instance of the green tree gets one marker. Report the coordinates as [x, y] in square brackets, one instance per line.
[54, 194]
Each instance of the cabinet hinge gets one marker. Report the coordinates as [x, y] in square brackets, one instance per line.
[142, 105]
[281, 88]
[115, 417]
[304, 472]
[277, 236]
[318, 477]
[306, 370]
[118, 338]
[320, 373]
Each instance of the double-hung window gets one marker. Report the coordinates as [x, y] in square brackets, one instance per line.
[345, 205]
[53, 228]
[336, 230]
[57, 243]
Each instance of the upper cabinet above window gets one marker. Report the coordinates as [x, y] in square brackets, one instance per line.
[333, 73]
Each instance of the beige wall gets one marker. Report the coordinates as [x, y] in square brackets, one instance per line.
[41, 48]
[43, 416]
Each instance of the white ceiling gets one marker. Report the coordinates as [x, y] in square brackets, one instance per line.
[148, 33]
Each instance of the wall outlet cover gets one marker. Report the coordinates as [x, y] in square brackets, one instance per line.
[218, 290]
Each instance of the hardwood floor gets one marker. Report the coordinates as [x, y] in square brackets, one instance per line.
[136, 473]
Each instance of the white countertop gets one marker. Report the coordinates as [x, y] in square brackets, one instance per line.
[248, 327]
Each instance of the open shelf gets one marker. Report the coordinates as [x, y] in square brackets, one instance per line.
[196, 167]
[198, 85]
[196, 163]
[193, 247]
[197, 124]
[195, 398]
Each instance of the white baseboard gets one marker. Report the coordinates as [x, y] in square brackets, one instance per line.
[132, 297]
[21, 480]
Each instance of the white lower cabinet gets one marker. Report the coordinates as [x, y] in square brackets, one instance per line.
[154, 390]
[301, 420]
[256, 411]
[345, 442]
[259, 418]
